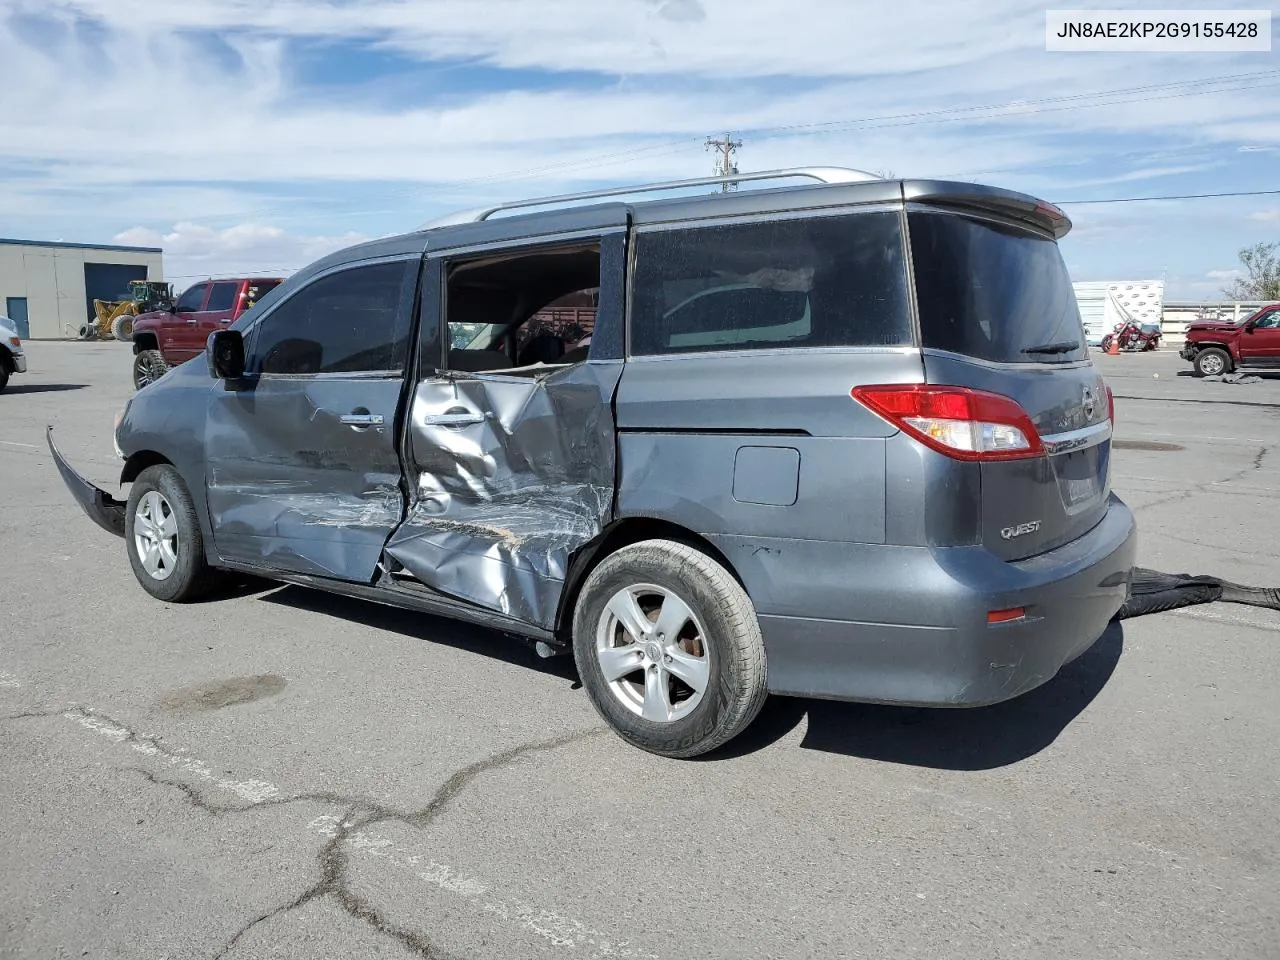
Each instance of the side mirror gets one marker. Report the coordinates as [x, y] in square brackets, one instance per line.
[224, 352]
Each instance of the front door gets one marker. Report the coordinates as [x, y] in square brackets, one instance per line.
[180, 338]
[303, 470]
[15, 308]
[1261, 342]
[219, 309]
[511, 442]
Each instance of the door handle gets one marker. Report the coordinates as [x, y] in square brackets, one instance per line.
[362, 419]
[453, 419]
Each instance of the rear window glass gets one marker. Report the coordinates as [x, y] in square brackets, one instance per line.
[834, 281]
[993, 292]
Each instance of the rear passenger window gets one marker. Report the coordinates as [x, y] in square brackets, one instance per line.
[347, 322]
[837, 281]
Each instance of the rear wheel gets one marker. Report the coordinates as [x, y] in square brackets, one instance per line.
[669, 649]
[148, 367]
[122, 328]
[1212, 361]
[163, 538]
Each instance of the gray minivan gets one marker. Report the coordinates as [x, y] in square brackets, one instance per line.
[840, 440]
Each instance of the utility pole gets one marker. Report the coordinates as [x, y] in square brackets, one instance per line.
[724, 159]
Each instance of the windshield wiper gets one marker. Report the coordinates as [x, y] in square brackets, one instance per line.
[1062, 346]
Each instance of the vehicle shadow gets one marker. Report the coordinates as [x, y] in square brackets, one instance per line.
[982, 738]
[952, 739]
[425, 626]
[42, 387]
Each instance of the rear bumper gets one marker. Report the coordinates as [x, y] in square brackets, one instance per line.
[101, 507]
[906, 625]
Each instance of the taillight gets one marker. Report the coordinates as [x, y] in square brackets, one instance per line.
[1111, 404]
[962, 423]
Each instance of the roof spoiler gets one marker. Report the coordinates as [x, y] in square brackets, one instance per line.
[1018, 206]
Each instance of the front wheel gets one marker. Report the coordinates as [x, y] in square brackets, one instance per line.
[4, 374]
[148, 367]
[669, 649]
[162, 536]
[1212, 361]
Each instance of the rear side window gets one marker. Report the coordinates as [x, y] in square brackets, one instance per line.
[836, 281]
[993, 292]
[347, 322]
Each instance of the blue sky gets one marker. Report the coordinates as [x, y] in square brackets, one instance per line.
[257, 135]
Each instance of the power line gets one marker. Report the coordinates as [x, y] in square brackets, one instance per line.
[1077, 101]
[1182, 196]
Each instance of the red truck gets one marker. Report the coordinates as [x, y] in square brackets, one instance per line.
[166, 338]
[1221, 346]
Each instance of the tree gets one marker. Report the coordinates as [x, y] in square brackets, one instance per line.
[1261, 281]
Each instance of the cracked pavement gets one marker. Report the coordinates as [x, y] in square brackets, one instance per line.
[284, 775]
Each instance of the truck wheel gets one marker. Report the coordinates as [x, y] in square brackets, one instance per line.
[148, 367]
[4, 372]
[669, 649]
[1212, 361]
[122, 328]
[163, 539]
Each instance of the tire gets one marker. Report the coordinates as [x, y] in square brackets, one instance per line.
[148, 367]
[1212, 362]
[1106, 342]
[182, 575]
[718, 642]
[4, 372]
[122, 328]
[87, 331]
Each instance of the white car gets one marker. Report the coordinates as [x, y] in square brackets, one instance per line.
[12, 359]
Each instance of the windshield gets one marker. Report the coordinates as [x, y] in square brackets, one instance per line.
[993, 291]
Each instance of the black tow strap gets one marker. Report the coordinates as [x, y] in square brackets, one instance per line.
[1151, 591]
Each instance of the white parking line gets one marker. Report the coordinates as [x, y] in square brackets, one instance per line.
[15, 443]
[253, 791]
[556, 928]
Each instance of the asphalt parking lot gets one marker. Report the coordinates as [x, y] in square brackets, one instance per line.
[283, 774]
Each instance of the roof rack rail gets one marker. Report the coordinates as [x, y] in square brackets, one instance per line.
[828, 175]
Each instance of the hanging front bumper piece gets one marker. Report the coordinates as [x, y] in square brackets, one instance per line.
[103, 509]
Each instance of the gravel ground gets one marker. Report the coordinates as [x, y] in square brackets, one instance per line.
[284, 774]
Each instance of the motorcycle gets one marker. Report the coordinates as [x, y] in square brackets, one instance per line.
[1133, 338]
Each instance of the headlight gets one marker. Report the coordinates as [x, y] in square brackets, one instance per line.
[115, 429]
[15, 341]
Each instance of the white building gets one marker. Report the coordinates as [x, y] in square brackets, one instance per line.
[48, 289]
[1103, 304]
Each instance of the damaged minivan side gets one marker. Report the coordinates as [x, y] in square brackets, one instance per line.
[838, 441]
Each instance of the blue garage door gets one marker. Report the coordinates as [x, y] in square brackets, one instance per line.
[109, 281]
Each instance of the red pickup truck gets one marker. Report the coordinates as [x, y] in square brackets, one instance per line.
[1221, 347]
[166, 338]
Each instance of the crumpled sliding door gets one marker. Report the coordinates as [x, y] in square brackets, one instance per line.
[510, 475]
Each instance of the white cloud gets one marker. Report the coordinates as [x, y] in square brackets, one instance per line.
[193, 251]
[1270, 215]
[135, 123]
